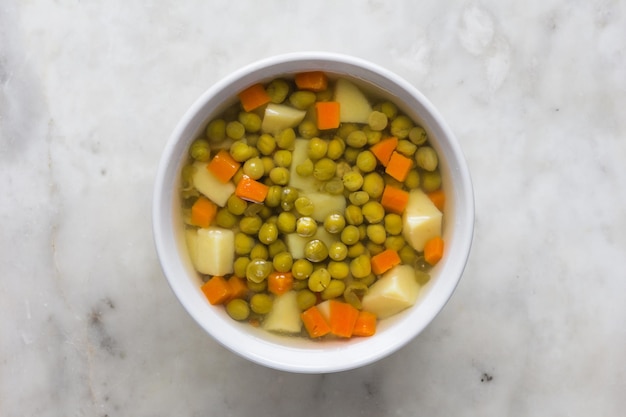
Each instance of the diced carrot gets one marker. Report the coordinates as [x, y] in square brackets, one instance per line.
[254, 322]
[383, 149]
[253, 97]
[433, 250]
[314, 322]
[365, 324]
[238, 287]
[327, 114]
[312, 80]
[342, 318]
[216, 290]
[251, 190]
[223, 166]
[203, 212]
[438, 198]
[279, 282]
[394, 199]
[399, 166]
[384, 261]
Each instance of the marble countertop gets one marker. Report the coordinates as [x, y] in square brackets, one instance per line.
[535, 92]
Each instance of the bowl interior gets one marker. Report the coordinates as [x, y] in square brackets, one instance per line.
[294, 353]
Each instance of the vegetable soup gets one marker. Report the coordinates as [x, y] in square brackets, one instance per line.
[312, 208]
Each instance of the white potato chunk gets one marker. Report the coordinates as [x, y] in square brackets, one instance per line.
[324, 204]
[208, 184]
[421, 220]
[285, 315]
[214, 251]
[298, 156]
[395, 291]
[278, 117]
[353, 105]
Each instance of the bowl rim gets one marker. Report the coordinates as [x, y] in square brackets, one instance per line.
[339, 356]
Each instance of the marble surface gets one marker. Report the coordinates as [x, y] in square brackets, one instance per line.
[89, 93]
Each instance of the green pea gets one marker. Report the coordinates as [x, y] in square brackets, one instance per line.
[302, 99]
[268, 233]
[393, 223]
[345, 129]
[431, 181]
[301, 269]
[250, 121]
[319, 280]
[368, 280]
[268, 163]
[280, 175]
[389, 109]
[308, 129]
[243, 243]
[356, 250]
[400, 126]
[360, 266]
[240, 265]
[354, 292]
[337, 251]
[362, 231]
[305, 299]
[352, 180]
[353, 215]
[200, 150]
[283, 262]
[282, 158]
[317, 148]
[366, 161]
[261, 303]
[377, 120]
[373, 185]
[253, 168]
[315, 250]
[376, 233]
[350, 235]
[336, 147]
[259, 251]
[266, 144]
[395, 243]
[278, 90]
[257, 287]
[426, 158]
[276, 247]
[288, 198]
[342, 169]
[225, 218]
[305, 168]
[274, 194]
[373, 212]
[350, 155]
[286, 222]
[373, 136]
[258, 270]
[338, 270]
[235, 130]
[238, 309]
[306, 226]
[407, 255]
[216, 130]
[250, 225]
[324, 169]
[334, 222]
[412, 180]
[236, 205]
[418, 135]
[286, 138]
[241, 151]
[422, 277]
[358, 198]
[335, 289]
[304, 206]
[406, 148]
[356, 139]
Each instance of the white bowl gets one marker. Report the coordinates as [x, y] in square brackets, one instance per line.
[297, 354]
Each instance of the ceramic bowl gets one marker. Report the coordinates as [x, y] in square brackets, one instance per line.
[298, 354]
